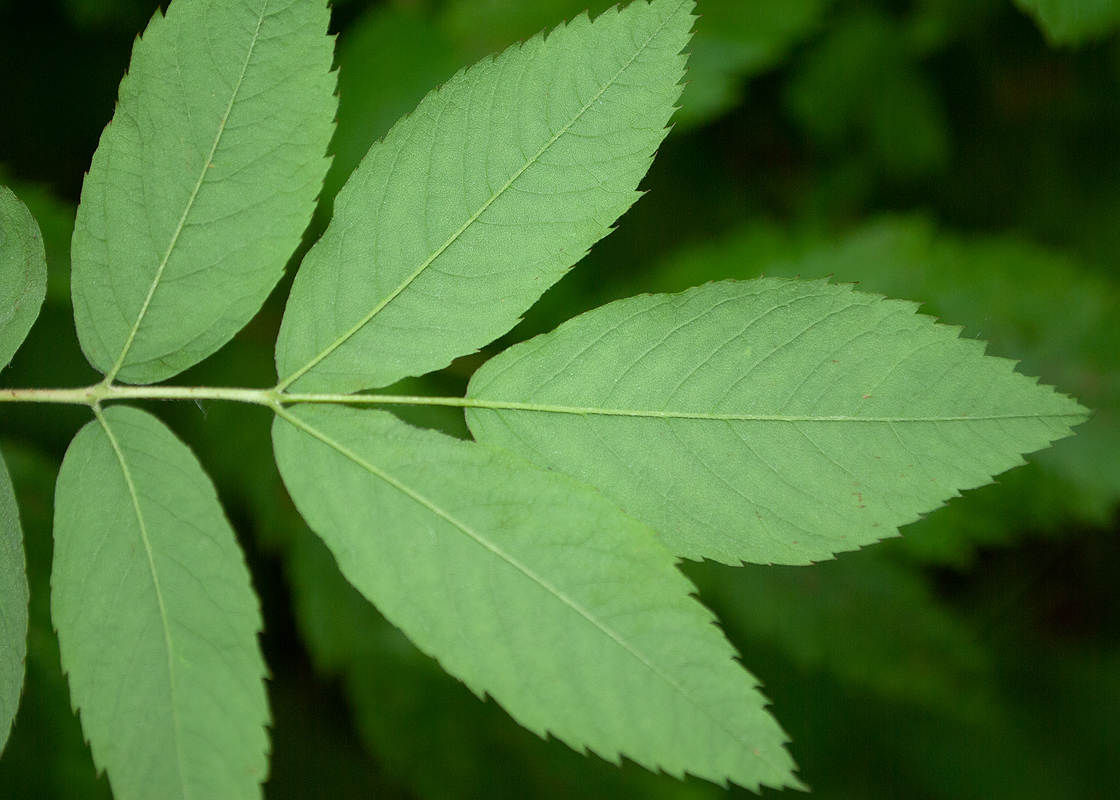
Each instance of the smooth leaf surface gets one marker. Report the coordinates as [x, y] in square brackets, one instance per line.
[767, 421]
[480, 200]
[202, 183]
[532, 589]
[23, 273]
[13, 606]
[156, 618]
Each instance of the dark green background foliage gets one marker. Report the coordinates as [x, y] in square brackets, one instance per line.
[949, 151]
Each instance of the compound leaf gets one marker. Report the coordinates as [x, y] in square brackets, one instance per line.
[13, 603]
[157, 620]
[533, 589]
[480, 200]
[202, 183]
[767, 421]
[23, 273]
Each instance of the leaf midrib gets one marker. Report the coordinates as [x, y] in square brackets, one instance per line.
[158, 277]
[528, 572]
[477, 402]
[164, 619]
[288, 381]
[618, 412]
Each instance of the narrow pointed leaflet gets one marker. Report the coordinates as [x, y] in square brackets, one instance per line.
[471, 207]
[766, 421]
[157, 621]
[533, 589]
[23, 273]
[202, 183]
[13, 606]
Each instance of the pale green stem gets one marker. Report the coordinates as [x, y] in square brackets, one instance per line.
[276, 399]
[99, 393]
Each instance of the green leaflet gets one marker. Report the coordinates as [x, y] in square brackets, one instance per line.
[1073, 21]
[424, 727]
[202, 183]
[46, 757]
[156, 618]
[480, 200]
[23, 273]
[1035, 303]
[23, 285]
[532, 589]
[13, 604]
[767, 421]
[55, 219]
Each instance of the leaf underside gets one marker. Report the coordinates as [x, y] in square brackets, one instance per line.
[23, 273]
[157, 621]
[456, 223]
[13, 606]
[767, 421]
[533, 589]
[202, 183]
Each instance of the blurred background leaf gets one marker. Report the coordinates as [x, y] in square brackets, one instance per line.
[945, 151]
[1073, 21]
